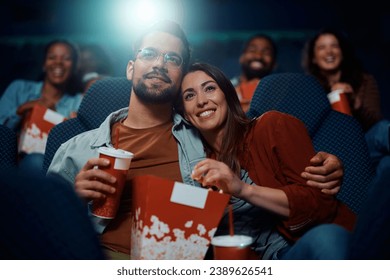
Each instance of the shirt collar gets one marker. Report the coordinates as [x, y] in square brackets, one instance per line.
[103, 138]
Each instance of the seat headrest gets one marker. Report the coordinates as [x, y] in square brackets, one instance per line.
[297, 94]
[104, 97]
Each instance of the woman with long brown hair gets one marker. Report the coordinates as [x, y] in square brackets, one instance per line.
[259, 162]
[330, 57]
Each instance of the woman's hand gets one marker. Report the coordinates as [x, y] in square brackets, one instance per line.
[354, 101]
[211, 172]
[24, 108]
[345, 87]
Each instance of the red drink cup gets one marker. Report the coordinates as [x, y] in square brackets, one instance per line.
[339, 101]
[119, 165]
[232, 247]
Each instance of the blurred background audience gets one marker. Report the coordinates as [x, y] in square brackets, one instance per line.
[56, 89]
[330, 57]
[95, 64]
[216, 30]
[258, 59]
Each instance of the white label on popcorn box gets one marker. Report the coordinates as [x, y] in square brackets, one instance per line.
[189, 195]
[53, 117]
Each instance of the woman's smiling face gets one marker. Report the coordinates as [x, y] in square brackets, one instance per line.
[327, 53]
[204, 102]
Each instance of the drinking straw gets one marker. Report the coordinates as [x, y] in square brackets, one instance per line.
[117, 138]
[231, 227]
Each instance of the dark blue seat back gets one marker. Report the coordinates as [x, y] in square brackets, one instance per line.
[103, 97]
[371, 237]
[293, 93]
[9, 149]
[303, 97]
[44, 219]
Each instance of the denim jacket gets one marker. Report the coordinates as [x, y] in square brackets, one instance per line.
[73, 154]
[22, 91]
[249, 220]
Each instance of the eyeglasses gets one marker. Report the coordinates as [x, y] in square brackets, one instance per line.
[150, 55]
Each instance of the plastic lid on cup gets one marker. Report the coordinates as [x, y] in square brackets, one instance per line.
[232, 240]
[118, 153]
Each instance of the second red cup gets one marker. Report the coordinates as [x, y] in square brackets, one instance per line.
[339, 101]
[232, 247]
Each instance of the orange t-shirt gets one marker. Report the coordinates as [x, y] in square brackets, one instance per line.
[155, 153]
[245, 91]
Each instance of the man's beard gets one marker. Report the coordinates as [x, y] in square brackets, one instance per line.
[251, 73]
[155, 95]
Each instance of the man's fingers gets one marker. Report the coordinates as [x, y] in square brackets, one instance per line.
[93, 183]
[331, 191]
[100, 175]
[91, 195]
[320, 170]
[323, 171]
[317, 159]
[92, 162]
[93, 189]
[324, 185]
[314, 177]
[320, 177]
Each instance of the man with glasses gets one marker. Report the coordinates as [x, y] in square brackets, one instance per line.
[163, 143]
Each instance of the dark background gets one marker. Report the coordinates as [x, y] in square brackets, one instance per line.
[216, 30]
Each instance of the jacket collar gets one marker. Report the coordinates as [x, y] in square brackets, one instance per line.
[103, 138]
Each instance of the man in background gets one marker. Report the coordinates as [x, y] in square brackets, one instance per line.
[258, 59]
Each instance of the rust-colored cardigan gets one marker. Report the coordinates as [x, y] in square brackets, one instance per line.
[277, 149]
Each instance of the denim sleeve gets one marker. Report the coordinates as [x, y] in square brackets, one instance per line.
[9, 103]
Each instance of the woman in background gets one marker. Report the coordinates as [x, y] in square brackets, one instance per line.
[55, 91]
[330, 58]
